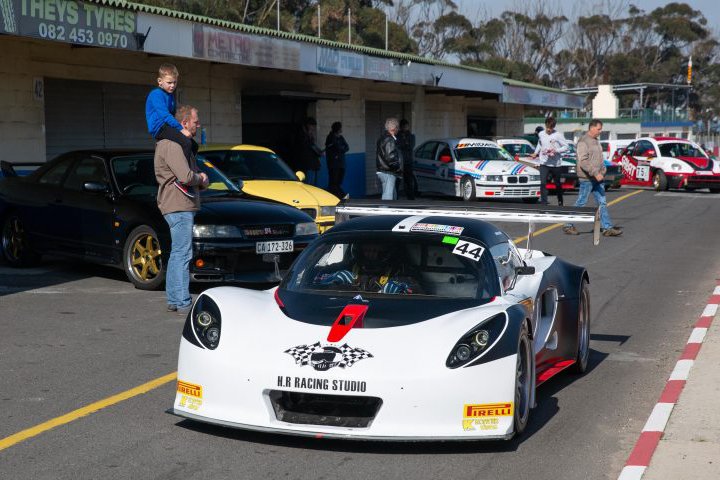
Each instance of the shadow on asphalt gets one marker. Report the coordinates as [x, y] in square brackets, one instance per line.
[546, 408]
[57, 271]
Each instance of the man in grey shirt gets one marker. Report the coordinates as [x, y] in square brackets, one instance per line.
[591, 171]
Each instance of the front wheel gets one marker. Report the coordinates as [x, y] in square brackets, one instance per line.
[15, 248]
[660, 182]
[467, 186]
[523, 382]
[583, 339]
[142, 259]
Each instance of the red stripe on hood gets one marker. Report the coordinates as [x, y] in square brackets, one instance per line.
[696, 162]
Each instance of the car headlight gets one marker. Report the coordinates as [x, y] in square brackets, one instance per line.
[572, 169]
[327, 211]
[205, 321]
[477, 341]
[676, 167]
[494, 178]
[306, 228]
[534, 178]
[216, 231]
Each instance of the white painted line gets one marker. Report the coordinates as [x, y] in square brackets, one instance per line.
[659, 417]
[717, 290]
[710, 310]
[697, 335]
[681, 370]
[633, 472]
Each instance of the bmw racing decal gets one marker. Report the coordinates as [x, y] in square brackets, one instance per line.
[323, 358]
[475, 144]
[485, 416]
[435, 228]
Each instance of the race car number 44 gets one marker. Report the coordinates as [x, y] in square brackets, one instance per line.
[274, 247]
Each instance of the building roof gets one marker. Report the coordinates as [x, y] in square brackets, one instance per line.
[241, 27]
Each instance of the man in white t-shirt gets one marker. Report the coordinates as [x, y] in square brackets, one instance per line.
[551, 144]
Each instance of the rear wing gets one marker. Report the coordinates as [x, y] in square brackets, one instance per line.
[8, 169]
[497, 212]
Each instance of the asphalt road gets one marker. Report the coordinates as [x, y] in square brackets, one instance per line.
[74, 334]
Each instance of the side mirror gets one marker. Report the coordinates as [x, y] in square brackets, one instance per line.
[445, 158]
[525, 270]
[300, 175]
[95, 187]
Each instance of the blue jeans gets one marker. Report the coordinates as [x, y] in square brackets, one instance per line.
[388, 185]
[177, 276]
[598, 191]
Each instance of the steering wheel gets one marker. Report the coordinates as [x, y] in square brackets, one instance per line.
[127, 188]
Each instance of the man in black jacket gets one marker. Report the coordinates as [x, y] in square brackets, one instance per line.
[406, 144]
[335, 149]
[389, 159]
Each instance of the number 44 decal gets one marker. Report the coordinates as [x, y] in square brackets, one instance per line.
[469, 250]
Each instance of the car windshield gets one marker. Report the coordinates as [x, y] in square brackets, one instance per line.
[680, 149]
[249, 164]
[522, 149]
[135, 176]
[404, 265]
[467, 154]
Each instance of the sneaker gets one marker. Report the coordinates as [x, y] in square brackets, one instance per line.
[571, 230]
[611, 232]
[172, 308]
[183, 311]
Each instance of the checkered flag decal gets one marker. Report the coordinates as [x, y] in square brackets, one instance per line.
[302, 353]
[351, 355]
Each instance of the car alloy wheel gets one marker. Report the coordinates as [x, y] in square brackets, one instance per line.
[14, 243]
[468, 189]
[660, 182]
[142, 258]
[583, 350]
[523, 382]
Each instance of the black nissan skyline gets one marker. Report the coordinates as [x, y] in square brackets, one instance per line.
[100, 206]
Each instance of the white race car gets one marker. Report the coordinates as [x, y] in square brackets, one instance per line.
[471, 168]
[403, 324]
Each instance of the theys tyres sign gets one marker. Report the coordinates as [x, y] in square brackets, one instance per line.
[70, 21]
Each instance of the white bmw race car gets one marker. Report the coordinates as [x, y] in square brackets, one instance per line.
[471, 168]
[404, 323]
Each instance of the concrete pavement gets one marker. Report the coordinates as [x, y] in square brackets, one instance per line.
[687, 444]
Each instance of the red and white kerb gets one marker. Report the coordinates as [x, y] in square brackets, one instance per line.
[653, 430]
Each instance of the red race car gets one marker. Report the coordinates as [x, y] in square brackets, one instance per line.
[666, 162]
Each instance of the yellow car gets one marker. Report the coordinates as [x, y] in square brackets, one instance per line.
[266, 175]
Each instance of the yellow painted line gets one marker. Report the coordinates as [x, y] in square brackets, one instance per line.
[558, 225]
[84, 411]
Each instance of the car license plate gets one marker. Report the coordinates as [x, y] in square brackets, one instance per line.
[274, 247]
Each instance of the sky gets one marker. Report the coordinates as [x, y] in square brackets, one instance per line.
[572, 8]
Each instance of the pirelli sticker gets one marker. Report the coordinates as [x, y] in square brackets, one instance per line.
[485, 416]
[189, 389]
